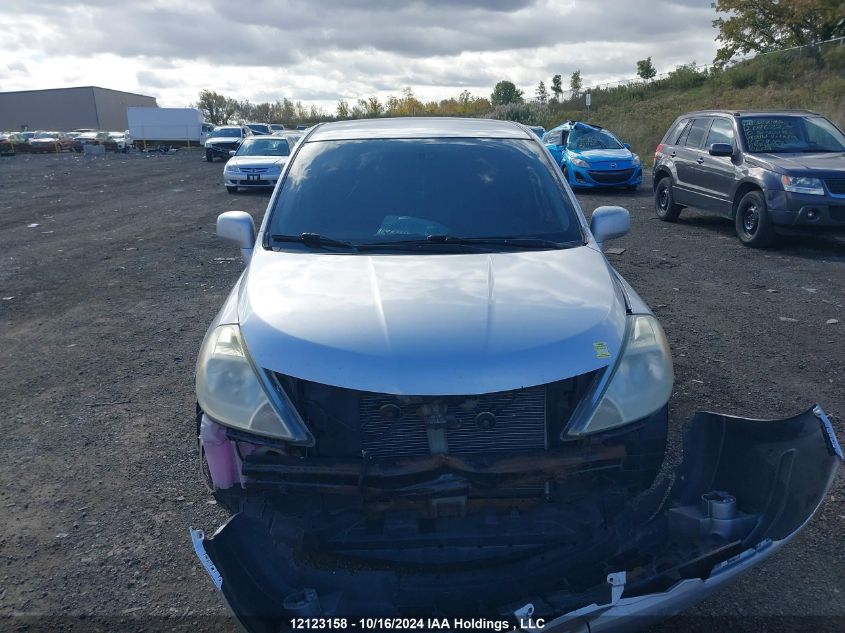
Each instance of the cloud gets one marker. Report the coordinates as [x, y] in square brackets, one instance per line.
[323, 51]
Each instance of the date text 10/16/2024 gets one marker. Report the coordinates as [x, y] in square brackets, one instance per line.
[412, 624]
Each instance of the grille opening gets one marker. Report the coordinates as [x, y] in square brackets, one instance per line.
[609, 177]
[347, 422]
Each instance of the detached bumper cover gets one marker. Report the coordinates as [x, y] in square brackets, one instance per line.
[745, 488]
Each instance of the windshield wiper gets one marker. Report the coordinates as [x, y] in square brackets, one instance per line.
[513, 242]
[314, 240]
[519, 242]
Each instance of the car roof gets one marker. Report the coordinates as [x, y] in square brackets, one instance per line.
[418, 127]
[741, 113]
[223, 127]
[568, 125]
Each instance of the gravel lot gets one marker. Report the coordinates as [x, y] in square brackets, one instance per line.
[111, 272]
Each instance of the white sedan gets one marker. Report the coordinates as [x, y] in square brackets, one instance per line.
[258, 162]
[122, 139]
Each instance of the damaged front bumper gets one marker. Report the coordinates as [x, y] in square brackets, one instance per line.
[744, 489]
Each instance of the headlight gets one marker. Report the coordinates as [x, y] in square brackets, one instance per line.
[641, 382]
[231, 391]
[579, 163]
[230, 169]
[802, 184]
[636, 160]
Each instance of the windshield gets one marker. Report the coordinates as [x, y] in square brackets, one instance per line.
[46, 135]
[785, 134]
[581, 139]
[227, 131]
[259, 128]
[264, 147]
[393, 190]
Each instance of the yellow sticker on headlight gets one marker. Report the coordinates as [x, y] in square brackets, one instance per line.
[601, 349]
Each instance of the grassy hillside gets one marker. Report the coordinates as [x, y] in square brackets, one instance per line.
[640, 114]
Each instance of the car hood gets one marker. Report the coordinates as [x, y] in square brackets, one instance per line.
[598, 155]
[257, 161]
[223, 139]
[432, 324]
[801, 162]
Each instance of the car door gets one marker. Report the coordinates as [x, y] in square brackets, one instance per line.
[688, 189]
[717, 174]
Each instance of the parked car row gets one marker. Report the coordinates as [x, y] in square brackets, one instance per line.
[54, 142]
[225, 139]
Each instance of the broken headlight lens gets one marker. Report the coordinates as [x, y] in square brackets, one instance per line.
[231, 391]
[641, 382]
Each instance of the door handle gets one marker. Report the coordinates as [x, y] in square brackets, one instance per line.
[672, 154]
[700, 160]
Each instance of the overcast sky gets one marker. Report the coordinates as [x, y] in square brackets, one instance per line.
[319, 51]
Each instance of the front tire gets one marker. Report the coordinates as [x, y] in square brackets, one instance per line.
[231, 189]
[664, 202]
[209, 156]
[753, 225]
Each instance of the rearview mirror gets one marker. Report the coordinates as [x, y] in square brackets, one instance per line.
[627, 146]
[608, 223]
[231, 152]
[721, 149]
[237, 227]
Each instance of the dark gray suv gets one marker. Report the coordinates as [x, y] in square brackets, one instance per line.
[772, 172]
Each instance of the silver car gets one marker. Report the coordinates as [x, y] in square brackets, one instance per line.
[431, 403]
[258, 162]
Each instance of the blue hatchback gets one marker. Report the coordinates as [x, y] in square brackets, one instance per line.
[593, 157]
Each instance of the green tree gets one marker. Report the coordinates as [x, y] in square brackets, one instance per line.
[542, 93]
[373, 107]
[342, 109]
[505, 92]
[557, 88]
[762, 25]
[216, 108]
[575, 83]
[645, 69]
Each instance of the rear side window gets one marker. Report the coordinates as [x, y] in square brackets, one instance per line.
[553, 138]
[721, 132]
[696, 133]
[674, 132]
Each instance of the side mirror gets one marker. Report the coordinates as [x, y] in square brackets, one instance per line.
[232, 152]
[626, 145]
[237, 227]
[721, 149]
[608, 223]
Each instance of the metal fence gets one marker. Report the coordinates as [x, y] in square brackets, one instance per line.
[638, 81]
